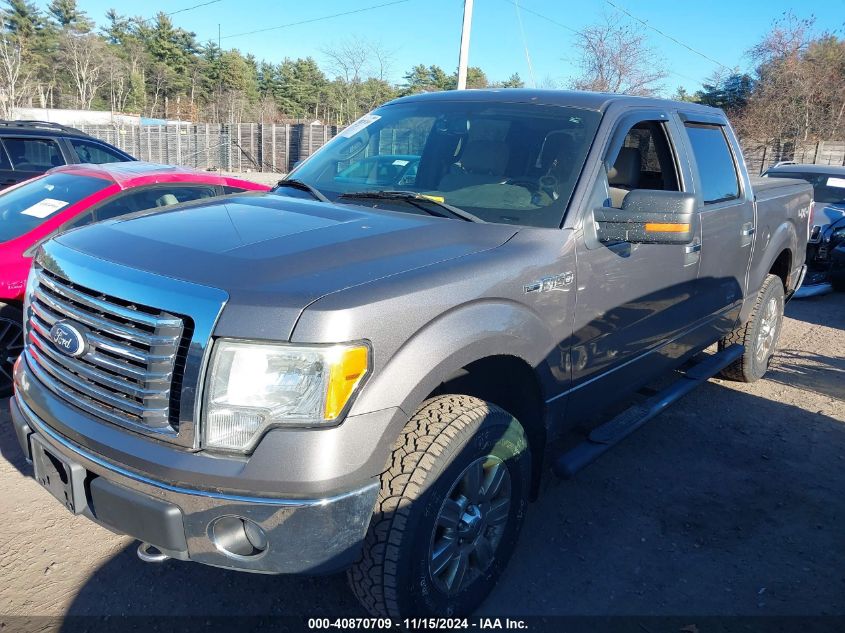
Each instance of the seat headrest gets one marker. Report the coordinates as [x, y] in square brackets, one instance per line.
[485, 157]
[626, 170]
[166, 200]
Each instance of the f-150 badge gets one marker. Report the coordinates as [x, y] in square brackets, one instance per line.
[553, 282]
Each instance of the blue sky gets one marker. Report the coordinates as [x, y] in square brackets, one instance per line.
[428, 31]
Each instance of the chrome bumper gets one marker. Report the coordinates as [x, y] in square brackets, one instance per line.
[303, 535]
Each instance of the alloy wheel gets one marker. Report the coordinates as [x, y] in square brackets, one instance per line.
[768, 331]
[470, 524]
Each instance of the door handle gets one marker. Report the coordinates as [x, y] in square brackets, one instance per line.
[692, 248]
[748, 231]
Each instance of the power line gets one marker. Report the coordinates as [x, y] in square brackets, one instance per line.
[525, 44]
[545, 17]
[309, 21]
[196, 6]
[666, 35]
[578, 32]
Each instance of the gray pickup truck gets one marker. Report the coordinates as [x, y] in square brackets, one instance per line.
[370, 368]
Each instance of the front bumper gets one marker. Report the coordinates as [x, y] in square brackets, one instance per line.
[303, 535]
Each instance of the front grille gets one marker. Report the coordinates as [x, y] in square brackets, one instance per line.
[131, 369]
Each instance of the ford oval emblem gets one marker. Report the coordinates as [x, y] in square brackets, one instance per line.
[68, 338]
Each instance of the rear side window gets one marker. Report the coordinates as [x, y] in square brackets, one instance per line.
[715, 162]
[33, 154]
[828, 189]
[152, 198]
[95, 153]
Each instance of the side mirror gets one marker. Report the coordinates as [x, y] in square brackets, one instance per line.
[648, 217]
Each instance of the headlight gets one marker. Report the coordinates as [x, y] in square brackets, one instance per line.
[253, 386]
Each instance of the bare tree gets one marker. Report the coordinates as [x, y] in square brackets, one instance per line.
[616, 57]
[85, 56]
[799, 94]
[119, 82]
[356, 64]
[15, 79]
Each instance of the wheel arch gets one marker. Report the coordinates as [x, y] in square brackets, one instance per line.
[475, 349]
[778, 257]
[513, 385]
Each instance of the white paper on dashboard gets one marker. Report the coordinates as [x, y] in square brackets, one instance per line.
[45, 208]
[836, 182]
[360, 124]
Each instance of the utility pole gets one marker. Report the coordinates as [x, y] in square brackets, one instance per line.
[464, 56]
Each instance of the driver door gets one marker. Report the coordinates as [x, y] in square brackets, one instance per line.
[635, 302]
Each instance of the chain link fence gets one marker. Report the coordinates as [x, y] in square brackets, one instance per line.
[243, 147]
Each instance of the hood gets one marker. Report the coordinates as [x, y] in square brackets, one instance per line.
[825, 214]
[274, 255]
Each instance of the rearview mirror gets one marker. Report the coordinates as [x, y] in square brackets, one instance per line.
[648, 217]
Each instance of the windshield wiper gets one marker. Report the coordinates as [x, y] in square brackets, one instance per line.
[420, 201]
[293, 183]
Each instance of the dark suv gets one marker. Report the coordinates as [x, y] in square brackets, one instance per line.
[29, 148]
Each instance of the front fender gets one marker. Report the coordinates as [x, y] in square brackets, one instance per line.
[454, 339]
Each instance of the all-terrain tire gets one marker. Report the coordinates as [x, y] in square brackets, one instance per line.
[11, 344]
[446, 437]
[766, 314]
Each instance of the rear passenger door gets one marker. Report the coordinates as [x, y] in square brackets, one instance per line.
[727, 218]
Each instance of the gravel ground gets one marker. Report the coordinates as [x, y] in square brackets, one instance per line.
[263, 177]
[730, 503]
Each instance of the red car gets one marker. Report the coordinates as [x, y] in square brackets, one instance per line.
[74, 195]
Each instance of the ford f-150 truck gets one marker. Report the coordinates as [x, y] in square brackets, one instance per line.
[338, 375]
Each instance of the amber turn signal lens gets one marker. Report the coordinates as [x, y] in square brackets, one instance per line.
[345, 375]
[667, 227]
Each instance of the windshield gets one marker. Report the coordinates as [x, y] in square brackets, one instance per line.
[26, 207]
[506, 163]
[827, 189]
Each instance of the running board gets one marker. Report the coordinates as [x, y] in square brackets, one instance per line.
[613, 431]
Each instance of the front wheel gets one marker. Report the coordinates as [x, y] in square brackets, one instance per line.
[11, 344]
[449, 511]
[759, 335]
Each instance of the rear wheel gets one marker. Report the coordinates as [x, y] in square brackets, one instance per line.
[11, 344]
[759, 335]
[449, 511]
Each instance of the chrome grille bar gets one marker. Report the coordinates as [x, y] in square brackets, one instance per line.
[128, 367]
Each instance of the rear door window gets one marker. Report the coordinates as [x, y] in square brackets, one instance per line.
[716, 168]
[95, 153]
[33, 154]
[153, 198]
